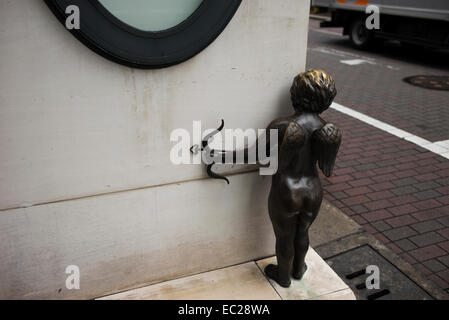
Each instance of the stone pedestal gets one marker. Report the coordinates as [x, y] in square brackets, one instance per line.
[247, 282]
[319, 282]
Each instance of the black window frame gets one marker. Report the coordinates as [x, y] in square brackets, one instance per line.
[115, 40]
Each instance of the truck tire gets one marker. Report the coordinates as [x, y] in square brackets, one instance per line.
[361, 37]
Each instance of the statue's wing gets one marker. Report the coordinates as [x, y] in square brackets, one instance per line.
[293, 138]
[325, 144]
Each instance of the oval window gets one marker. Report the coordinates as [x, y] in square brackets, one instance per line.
[152, 15]
[146, 33]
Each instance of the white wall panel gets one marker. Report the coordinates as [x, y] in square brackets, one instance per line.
[127, 239]
[85, 176]
[74, 124]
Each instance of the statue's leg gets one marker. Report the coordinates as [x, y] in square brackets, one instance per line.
[284, 230]
[305, 220]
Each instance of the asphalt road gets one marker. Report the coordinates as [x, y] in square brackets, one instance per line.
[371, 82]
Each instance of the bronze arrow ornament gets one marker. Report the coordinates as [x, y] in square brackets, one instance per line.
[212, 153]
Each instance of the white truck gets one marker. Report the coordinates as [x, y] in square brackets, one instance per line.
[412, 22]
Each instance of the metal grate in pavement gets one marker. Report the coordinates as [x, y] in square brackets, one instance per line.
[351, 266]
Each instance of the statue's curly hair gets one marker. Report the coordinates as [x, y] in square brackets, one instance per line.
[312, 91]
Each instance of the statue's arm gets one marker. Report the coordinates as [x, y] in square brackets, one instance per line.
[252, 151]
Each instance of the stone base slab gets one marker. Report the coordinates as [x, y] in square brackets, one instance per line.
[247, 282]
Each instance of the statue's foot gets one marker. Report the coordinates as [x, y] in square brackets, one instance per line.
[298, 274]
[271, 271]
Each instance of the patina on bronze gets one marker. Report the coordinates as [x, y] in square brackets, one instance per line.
[304, 139]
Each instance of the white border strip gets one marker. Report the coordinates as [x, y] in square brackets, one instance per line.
[441, 148]
[327, 32]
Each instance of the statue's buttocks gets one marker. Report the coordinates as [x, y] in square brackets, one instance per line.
[297, 194]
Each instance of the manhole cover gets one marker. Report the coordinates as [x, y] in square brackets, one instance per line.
[429, 82]
[351, 266]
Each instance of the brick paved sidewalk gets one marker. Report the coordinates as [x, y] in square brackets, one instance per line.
[397, 191]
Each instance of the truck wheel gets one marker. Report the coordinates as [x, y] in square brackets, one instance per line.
[360, 36]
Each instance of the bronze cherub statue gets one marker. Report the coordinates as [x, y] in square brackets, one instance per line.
[304, 139]
[296, 192]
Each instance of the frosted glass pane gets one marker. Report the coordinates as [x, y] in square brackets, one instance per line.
[151, 15]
